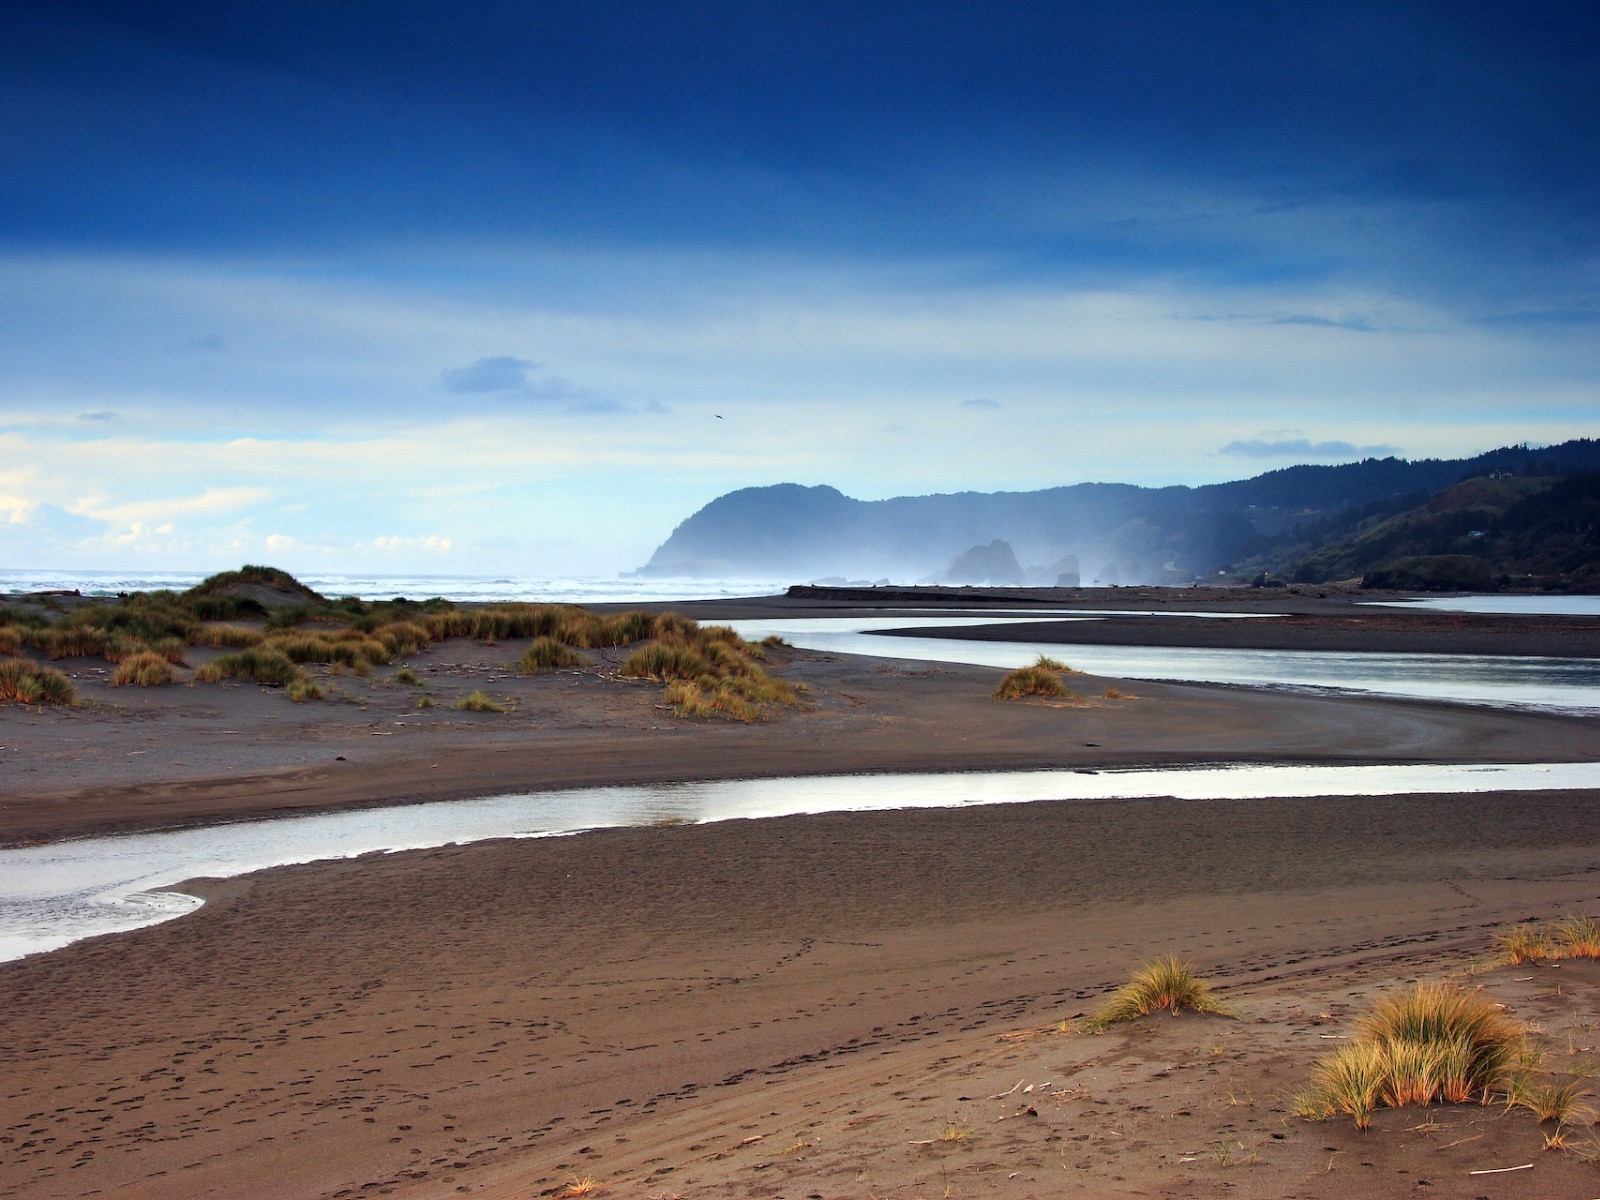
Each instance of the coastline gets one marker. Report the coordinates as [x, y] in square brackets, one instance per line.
[777, 1007]
[630, 1005]
[134, 758]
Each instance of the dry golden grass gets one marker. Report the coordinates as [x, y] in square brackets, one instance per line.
[480, 701]
[229, 637]
[62, 640]
[1431, 1042]
[1576, 936]
[265, 664]
[1042, 678]
[145, 669]
[665, 661]
[10, 639]
[25, 683]
[1160, 984]
[708, 670]
[547, 654]
[1526, 944]
[1551, 1101]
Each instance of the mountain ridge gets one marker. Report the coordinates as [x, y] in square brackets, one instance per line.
[1170, 534]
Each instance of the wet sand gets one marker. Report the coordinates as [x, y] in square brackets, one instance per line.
[797, 1007]
[633, 1005]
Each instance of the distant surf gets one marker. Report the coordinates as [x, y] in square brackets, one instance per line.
[460, 588]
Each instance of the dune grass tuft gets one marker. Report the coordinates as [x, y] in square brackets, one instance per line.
[1576, 936]
[26, 683]
[665, 661]
[303, 689]
[1162, 983]
[10, 639]
[709, 671]
[265, 664]
[1042, 678]
[481, 701]
[1549, 1101]
[1350, 1081]
[1527, 944]
[547, 654]
[1431, 1042]
[229, 637]
[144, 669]
[63, 640]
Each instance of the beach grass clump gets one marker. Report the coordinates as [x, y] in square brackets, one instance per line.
[503, 622]
[408, 677]
[265, 664]
[481, 701]
[119, 648]
[10, 639]
[1433, 1042]
[302, 689]
[1578, 937]
[229, 637]
[1349, 1081]
[709, 671]
[547, 654]
[27, 683]
[708, 698]
[1527, 943]
[1042, 678]
[624, 629]
[665, 661]
[346, 648]
[401, 638]
[69, 640]
[144, 617]
[1164, 983]
[1550, 1101]
[144, 669]
[26, 618]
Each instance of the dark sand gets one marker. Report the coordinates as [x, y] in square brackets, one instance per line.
[788, 1008]
[632, 1005]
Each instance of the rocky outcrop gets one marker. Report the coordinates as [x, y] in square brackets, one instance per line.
[994, 564]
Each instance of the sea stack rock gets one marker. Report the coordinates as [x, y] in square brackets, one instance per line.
[1066, 571]
[995, 563]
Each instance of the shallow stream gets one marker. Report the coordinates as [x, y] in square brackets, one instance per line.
[60, 893]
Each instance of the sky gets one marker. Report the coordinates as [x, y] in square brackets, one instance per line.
[479, 287]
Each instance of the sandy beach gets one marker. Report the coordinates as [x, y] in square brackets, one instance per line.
[847, 1005]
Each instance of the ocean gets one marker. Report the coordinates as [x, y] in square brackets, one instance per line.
[465, 588]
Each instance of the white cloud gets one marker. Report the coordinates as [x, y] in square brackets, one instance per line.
[143, 512]
[431, 544]
[329, 395]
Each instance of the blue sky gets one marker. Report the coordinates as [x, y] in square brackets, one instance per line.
[516, 287]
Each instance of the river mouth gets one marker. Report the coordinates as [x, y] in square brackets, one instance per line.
[53, 895]
[1541, 684]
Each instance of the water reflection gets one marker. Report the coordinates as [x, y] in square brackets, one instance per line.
[1554, 684]
[1546, 606]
